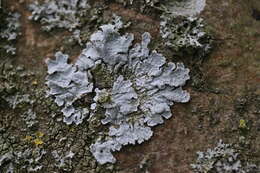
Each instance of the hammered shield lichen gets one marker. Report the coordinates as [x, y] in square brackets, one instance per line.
[145, 86]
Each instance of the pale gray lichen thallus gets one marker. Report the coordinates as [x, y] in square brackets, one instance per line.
[141, 96]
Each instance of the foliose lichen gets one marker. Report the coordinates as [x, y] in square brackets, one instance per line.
[16, 99]
[141, 101]
[58, 13]
[186, 35]
[30, 118]
[28, 160]
[180, 26]
[68, 83]
[223, 158]
[9, 30]
[63, 161]
[144, 89]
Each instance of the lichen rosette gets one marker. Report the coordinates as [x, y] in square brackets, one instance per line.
[143, 88]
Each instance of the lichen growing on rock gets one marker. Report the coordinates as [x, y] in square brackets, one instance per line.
[125, 134]
[144, 87]
[184, 7]
[58, 13]
[67, 83]
[9, 30]
[186, 35]
[142, 101]
[14, 100]
[223, 158]
[30, 118]
[63, 162]
[173, 7]
[29, 160]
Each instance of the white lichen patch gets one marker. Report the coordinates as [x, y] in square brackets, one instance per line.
[63, 161]
[58, 13]
[10, 32]
[144, 87]
[185, 34]
[15, 100]
[222, 158]
[29, 160]
[184, 7]
[30, 118]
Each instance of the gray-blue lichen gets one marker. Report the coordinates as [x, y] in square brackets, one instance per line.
[63, 161]
[9, 31]
[141, 100]
[144, 88]
[16, 99]
[68, 83]
[30, 118]
[127, 133]
[29, 160]
[58, 13]
[222, 159]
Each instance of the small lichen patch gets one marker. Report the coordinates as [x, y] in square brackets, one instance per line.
[186, 35]
[29, 160]
[223, 158]
[63, 162]
[30, 118]
[58, 13]
[9, 30]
